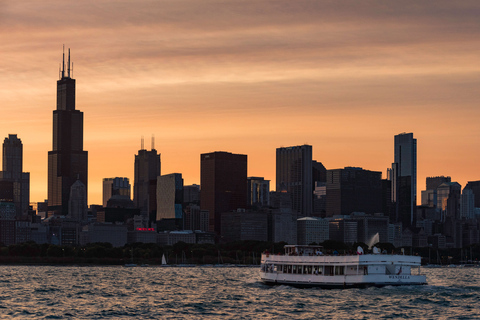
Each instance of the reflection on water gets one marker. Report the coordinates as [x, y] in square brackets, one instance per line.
[55, 292]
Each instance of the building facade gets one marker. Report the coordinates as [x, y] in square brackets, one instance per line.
[13, 181]
[294, 175]
[223, 179]
[258, 192]
[404, 178]
[353, 190]
[67, 161]
[147, 169]
[170, 196]
[115, 187]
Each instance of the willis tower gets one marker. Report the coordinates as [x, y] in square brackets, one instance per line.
[67, 162]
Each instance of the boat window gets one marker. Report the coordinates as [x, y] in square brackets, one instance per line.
[329, 270]
[339, 270]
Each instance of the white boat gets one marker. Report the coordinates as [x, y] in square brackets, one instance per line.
[307, 266]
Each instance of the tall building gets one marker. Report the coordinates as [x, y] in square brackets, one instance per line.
[77, 204]
[258, 191]
[404, 178]
[467, 208]
[475, 187]
[170, 196]
[67, 161]
[353, 190]
[223, 181]
[429, 196]
[115, 187]
[147, 169]
[294, 175]
[14, 181]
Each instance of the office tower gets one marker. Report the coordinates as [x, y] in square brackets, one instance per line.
[191, 194]
[223, 179]
[320, 199]
[115, 187]
[467, 207]
[258, 192]
[319, 172]
[311, 230]
[429, 196]
[147, 169]
[404, 178]
[294, 175]
[67, 161]
[448, 200]
[77, 204]
[170, 196]
[475, 187]
[353, 190]
[13, 177]
[195, 219]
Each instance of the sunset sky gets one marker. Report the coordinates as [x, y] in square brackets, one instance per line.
[246, 77]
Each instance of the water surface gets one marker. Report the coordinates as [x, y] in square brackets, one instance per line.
[63, 292]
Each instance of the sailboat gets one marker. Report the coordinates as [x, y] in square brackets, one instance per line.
[164, 261]
[131, 264]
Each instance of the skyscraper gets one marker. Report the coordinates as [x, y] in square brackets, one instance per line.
[147, 169]
[353, 190]
[67, 161]
[258, 191]
[294, 175]
[170, 196]
[223, 181]
[115, 187]
[404, 178]
[13, 177]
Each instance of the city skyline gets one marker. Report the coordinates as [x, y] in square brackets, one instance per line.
[340, 77]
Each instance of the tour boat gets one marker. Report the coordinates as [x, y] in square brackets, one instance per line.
[308, 266]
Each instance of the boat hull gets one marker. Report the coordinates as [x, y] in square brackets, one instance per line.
[345, 282]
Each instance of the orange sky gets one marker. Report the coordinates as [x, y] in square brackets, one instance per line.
[246, 77]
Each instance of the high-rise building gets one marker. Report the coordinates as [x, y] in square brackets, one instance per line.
[15, 182]
[147, 169]
[429, 196]
[294, 175]
[404, 178]
[115, 187]
[467, 207]
[170, 196]
[67, 162]
[475, 187]
[353, 190]
[258, 191]
[223, 181]
[77, 204]
[191, 194]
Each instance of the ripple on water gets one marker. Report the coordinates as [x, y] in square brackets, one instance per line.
[221, 293]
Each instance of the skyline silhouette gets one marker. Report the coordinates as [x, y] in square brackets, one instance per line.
[247, 79]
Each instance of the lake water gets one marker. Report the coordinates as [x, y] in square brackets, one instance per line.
[69, 292]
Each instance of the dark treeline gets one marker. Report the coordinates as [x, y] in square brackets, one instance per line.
[241, 252]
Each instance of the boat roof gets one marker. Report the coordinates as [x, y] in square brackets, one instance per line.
[302, 246]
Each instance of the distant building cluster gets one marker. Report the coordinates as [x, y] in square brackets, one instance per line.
[310, 204]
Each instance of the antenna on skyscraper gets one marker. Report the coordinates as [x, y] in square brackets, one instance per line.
[63, 63]
[72, 69]
[153, 142]
[141, 144]
[68, 63]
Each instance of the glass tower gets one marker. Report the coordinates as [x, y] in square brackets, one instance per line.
[404, 184]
